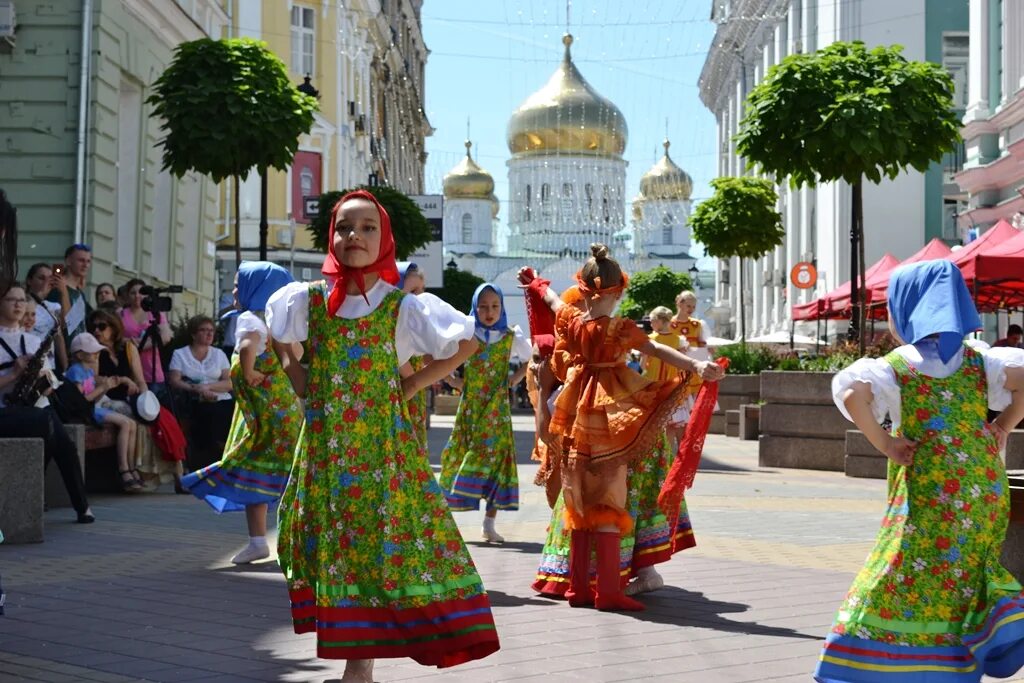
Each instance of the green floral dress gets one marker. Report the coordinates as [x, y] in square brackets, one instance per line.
[648, 545]
[418, 407]
[479, 462]
[933, 602]
[374, 562]
[261, 441]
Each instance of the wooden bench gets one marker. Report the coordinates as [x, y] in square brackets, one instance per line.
[21, 490]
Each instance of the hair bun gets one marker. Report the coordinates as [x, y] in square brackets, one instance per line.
[599, 251]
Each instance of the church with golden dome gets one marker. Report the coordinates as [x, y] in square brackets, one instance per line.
[567, 189]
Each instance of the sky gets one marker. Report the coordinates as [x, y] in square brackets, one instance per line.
[487, 56]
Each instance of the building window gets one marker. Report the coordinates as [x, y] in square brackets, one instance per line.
[303, 34]
[589, 191]
[529, 198]
[955, 51]
[567, 201]
[467, 228]
[606, 204]
[666, 228]
[129, 124]
[545, 204]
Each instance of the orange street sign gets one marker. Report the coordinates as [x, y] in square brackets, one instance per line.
[804, 275]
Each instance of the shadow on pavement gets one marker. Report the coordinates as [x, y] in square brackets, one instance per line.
[500, 599]
[680, 607]
[527, 547]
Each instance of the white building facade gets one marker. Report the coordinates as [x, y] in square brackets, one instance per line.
[900, 216]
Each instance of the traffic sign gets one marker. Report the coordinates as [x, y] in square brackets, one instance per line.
[804, 275]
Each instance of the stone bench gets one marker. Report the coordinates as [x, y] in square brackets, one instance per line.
[800, 426]
[21, 490]
[1013, 546]
[56, 494]
[733, 391]
[732, 422]
[750, 418]
[862, 460]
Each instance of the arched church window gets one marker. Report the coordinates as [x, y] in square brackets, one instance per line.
[589, 191]
[545, 204]
[606, 204]
[529, 198]
[567, 200]
[467, 228]
[666, 228]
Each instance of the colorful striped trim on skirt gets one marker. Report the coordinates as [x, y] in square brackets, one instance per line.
[232, 489]
[467, 492]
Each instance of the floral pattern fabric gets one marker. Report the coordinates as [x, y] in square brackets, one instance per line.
[418, 405]
[374, 562]
[933, 580]
[479, 462]
[261, 441]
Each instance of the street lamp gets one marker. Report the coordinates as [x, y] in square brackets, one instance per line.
[306, 88]
[452, 264]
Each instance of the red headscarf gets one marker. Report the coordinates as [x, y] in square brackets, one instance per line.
[384, 265]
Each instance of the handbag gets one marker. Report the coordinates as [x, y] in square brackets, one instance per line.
[72, 406]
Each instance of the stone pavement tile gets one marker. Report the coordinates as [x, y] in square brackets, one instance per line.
[134, 666]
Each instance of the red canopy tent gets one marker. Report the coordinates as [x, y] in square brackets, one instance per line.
[878, 286]
[998, 274]
[836, 304]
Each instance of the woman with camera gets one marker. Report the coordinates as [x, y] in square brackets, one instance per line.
[200, 376]
[136, 320]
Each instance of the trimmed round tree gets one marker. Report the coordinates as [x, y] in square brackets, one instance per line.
[739, 219]
[227, 106]
[848, 113]
[649, 289]
[410, 228]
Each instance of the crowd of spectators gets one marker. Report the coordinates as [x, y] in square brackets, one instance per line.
[115, 363]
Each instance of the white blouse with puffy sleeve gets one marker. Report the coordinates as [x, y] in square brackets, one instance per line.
[246, 323]
[427, 326]
[924, 358]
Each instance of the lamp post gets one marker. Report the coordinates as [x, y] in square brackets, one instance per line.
[452, 264]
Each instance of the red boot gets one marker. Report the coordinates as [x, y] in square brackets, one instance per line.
[609, 587]
[580, 593]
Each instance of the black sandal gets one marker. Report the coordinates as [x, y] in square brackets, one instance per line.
[129, 485]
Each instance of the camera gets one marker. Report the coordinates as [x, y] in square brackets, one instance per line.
[154, 303]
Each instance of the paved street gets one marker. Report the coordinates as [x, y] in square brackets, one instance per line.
[147, 593]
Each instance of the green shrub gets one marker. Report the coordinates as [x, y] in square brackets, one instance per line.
[748, 359]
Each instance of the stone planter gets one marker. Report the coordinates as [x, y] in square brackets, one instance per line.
[1013, 546]
[862, 460]
[734, 391]
[750, 419]
[446, 404]
[800, 425]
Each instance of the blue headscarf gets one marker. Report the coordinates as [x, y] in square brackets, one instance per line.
[257, 281]
[502, 324]
[931, 298]
[403, 268]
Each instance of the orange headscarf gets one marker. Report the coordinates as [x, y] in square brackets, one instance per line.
[597, 291]
[384, 265]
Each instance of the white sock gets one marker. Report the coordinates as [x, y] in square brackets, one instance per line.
[488, 523]
[258, 541]
[646, 572]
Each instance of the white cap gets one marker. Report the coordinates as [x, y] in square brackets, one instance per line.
[85, 342]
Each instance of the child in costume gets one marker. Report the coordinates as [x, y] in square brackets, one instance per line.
[692, 334]
[261, 442]
[411, 281]
[479, 462]
[932, 602]
[374, 561]
[608, 417]
[663, 333]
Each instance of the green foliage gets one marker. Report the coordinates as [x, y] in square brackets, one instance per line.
[227, 107]
[748, 360]
[458, 288]
[410, 228]
[847, 112]
[651, 288]
[739, 219]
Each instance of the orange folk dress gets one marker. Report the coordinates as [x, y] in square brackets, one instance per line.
[607, 414]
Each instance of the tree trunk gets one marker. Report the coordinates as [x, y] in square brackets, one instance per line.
[264, 227]
[743, 307]
[238, 225]
[863, 274]
[856, 330]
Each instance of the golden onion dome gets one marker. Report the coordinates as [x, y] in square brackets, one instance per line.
[468, 181]
[567, 116]
[666, 180]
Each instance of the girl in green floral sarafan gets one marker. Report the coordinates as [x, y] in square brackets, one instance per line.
[374, 562]
[933, 604]
[258, 456]
[479, 462]
[411, 281]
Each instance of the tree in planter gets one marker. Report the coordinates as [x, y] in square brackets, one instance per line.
[848, 113]
[740, 220]
[227, 106]
[651, 288]
[410, 229]
[458, 288]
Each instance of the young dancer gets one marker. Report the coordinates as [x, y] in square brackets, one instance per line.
[608, 417]
[374, 561]
[663, 333]
[932, 602]
[254, 468]
[692, 334]
[85, 354]
[479, 462]
[411, 281]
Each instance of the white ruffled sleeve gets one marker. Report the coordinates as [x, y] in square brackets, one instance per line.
[288, 313]
[428, 326]
[522, 349]
[997, 359]
[885, 390]
[247, 323]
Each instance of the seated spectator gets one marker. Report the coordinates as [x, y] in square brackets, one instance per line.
[38, 421]
[1014, 335]
[120, 358]
[200, 376]
[85, 352]
[136, 321]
